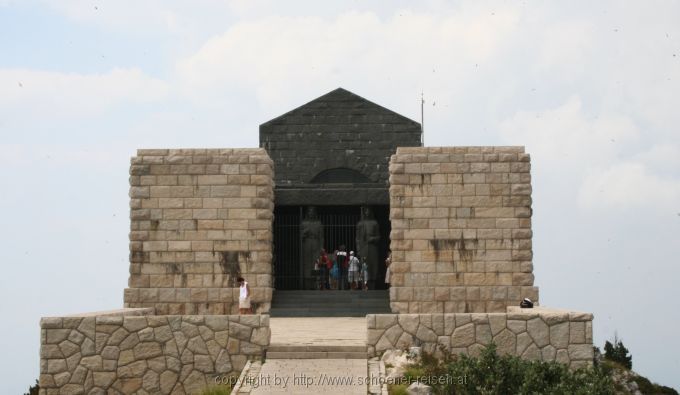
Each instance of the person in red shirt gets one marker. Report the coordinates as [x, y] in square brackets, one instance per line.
[324, 265]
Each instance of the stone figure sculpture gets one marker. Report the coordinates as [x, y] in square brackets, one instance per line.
[367, 241]
[311, 232]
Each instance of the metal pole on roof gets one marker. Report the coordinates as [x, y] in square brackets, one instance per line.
[422, 119]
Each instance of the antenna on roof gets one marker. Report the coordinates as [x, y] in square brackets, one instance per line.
[422, 119]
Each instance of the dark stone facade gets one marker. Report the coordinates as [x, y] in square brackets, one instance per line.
[335, 150]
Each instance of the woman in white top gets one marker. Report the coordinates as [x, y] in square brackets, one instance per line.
[244, 297]
[388, 272]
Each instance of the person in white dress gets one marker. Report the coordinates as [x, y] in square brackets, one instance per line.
[244, 297]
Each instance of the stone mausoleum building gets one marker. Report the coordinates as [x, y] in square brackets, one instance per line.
[338, 173]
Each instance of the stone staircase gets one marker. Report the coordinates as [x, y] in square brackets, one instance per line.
[329, 303]
[302, 351]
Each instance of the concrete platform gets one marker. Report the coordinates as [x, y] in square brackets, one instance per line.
[317, 338]
[339, 331]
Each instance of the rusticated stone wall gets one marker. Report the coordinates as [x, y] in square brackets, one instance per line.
[118, 353]
[461, 229]
[199, 219]
[537, 334]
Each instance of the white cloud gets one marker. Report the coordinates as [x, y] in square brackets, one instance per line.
[566, 138]
[46, 94]
[628, 185]
[279, 57]
[663, 158]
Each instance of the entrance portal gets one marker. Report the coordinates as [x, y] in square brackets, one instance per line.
[339, 225]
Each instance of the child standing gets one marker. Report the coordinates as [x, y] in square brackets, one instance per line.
[364, 273]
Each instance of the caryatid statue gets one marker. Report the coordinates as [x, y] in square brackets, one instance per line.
[368, 238]
[311, 232]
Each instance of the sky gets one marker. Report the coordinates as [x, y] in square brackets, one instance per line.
[590, 88]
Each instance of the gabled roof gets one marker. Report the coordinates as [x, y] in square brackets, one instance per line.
[341, 103]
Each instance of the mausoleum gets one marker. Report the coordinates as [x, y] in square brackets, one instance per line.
[337, 173]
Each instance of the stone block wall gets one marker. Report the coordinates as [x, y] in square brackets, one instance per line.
[461, 229]
[199, 219]
[537, 334]
[119, 353]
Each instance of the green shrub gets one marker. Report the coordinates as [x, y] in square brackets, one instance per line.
[397, 389]
[617, 352]
[33, 389]
[647, 387]
[491, 373]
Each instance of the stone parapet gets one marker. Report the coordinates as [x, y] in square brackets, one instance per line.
[461, 236]
[120, 353]
[199, 219]
[536, 334]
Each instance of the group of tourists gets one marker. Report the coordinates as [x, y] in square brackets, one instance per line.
[340, 271]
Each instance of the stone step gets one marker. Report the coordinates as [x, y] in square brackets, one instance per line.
[332, 306]
[306, 351]
[329, 303]
[323, 313]
[316, 355]
[315, 348]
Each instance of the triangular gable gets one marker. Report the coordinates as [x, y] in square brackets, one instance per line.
[339, 103]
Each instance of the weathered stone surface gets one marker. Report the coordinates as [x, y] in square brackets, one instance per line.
[463, 336]
[117, 337]
[523, 341]
[239, 331]
[577, 332]
[580, 352]
[425, 334]
[190, 211]
[203, 363]
[217, 323]
[548, 353]
[131, 341]
[559, 335]
[223, 362]
[104, 379]
[125, 357]
[517, 326]
[146, 334]
[532, 353]
[457, 204]
[167, 381]
[195, 382]
[383, 344]
[539, 332]
[497, 323]
[93, 362]
[260, 336]
[562, 356]
[483, 334]
[134, 369]
[157, 364]
[409, 322]
[151, 381]
[197, 345]
[506, 342]
[146, 350]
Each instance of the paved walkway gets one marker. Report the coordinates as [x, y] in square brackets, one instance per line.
[312, 376]
[330, 331]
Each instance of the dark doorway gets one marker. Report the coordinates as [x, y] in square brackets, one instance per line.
[339, 224]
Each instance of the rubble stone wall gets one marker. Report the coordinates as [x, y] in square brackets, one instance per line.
[199, 219]
[126, 354]
[461, 229]
[537, 334]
